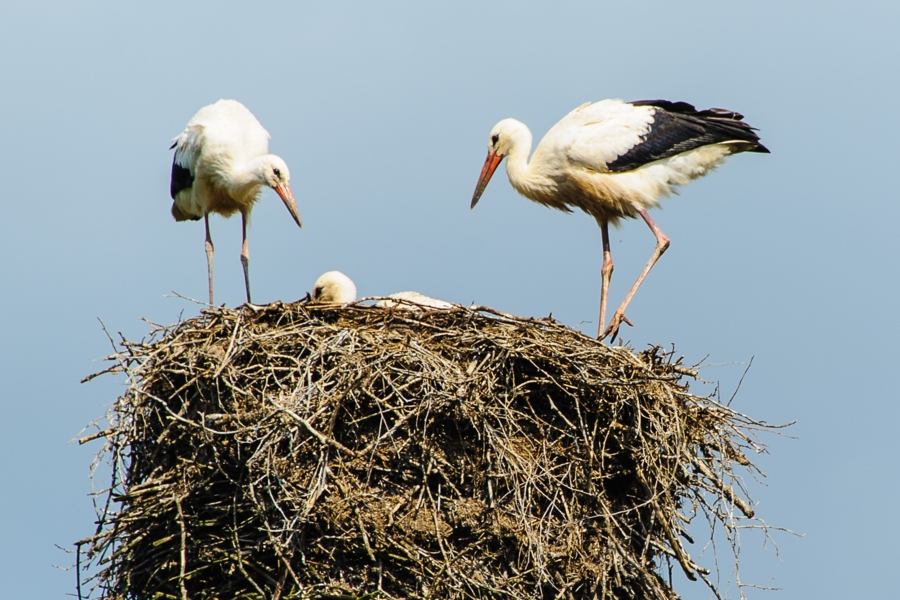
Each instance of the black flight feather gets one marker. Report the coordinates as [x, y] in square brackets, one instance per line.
[181, 179]
[679, 127]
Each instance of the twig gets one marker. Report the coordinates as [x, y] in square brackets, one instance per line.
[319, 436]
[78, 569]
[725, 489]
[96, 435]
[183, 557]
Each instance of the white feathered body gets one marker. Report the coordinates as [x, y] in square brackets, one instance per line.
[414, 301]
[570, 167]
[219, 147]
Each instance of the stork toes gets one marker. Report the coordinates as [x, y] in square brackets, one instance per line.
[613, 330]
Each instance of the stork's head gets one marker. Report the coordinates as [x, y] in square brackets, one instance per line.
[274, 172]
[507, 136]
[334, 287]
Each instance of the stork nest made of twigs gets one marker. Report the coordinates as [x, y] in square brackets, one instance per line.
[298, 451]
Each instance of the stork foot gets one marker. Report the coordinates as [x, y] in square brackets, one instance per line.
[613, 330]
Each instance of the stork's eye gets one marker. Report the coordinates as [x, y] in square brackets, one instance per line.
[318, 292]
[495, 138]
[277, 173]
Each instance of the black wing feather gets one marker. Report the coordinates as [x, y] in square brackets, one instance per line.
[679, 127]
[181, 179]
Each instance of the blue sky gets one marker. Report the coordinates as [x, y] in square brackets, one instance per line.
[382, 111]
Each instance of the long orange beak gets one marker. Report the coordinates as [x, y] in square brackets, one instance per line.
[487, 171]
[284, 190]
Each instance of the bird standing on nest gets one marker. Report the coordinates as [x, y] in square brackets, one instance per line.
[221, 163]
[615, 159]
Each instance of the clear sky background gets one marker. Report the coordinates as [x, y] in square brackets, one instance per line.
[382, 111]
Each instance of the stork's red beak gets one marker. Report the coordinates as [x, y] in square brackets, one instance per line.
[490, 165]
[284, 190]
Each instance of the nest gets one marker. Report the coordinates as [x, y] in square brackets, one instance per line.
[296, 451]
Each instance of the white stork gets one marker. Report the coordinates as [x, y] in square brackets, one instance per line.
[414, 301]
[615, 159]
[334, 287]
[221, 163]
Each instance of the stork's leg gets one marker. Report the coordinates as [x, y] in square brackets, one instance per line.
[606, 274]
[662, 243]
[245, 255]
[209, 256]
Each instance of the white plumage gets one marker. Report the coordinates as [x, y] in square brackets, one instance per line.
[334, 287]
[414, 301]
[615, 159]
[221, 163]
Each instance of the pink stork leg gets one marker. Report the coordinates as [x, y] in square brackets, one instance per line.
[209, 256]
[606, 274]
[245, 255]
[662, 243]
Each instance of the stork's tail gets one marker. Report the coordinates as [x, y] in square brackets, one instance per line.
[180, 215]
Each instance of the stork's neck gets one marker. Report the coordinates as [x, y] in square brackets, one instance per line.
[247, 177]
[520, 173]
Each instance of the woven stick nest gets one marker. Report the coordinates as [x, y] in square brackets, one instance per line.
[297, 451]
